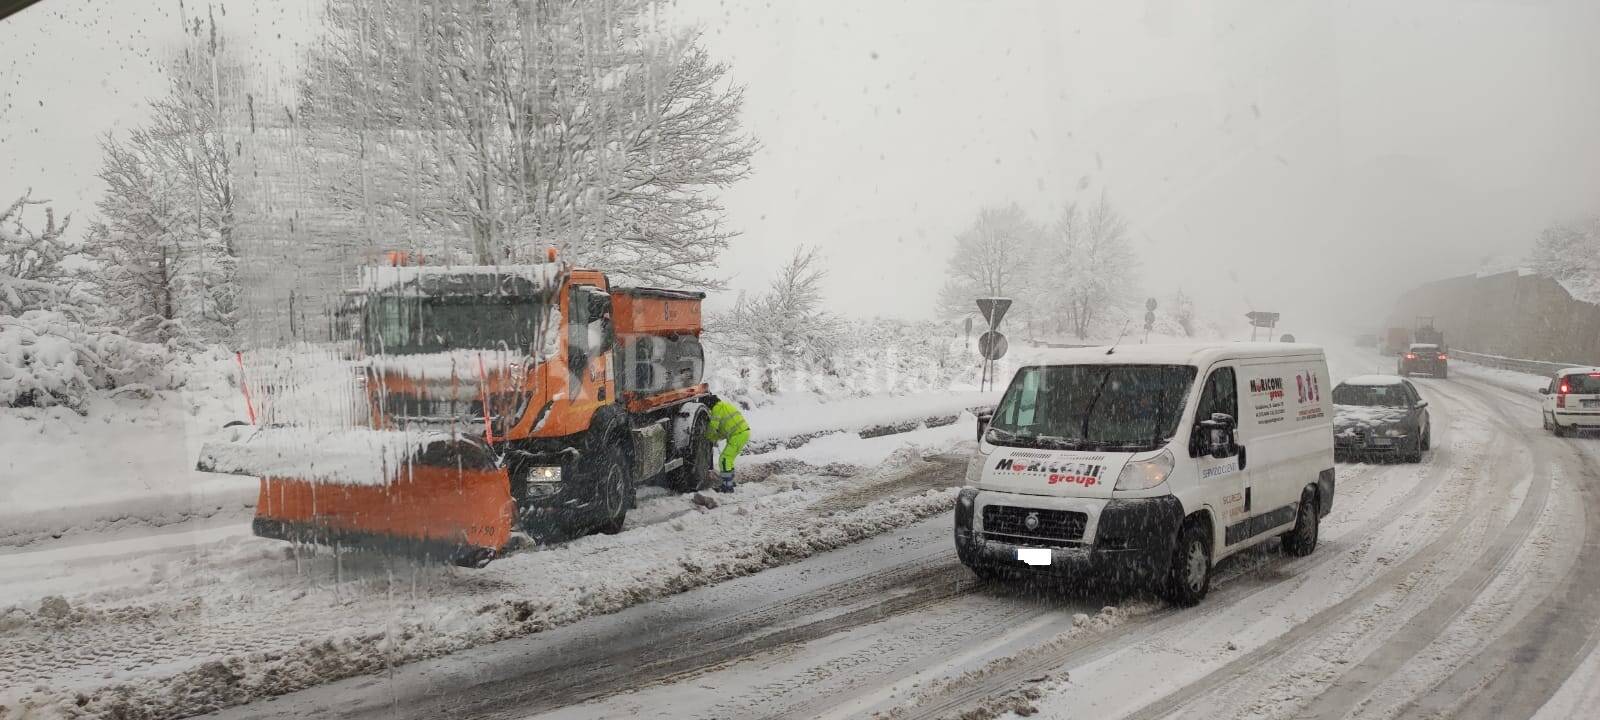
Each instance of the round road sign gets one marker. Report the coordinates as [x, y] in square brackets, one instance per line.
[992, 345]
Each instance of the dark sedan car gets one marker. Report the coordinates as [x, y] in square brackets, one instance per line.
[1380, 416]
[1426, 359]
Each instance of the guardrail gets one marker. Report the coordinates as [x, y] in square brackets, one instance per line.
[1532, 367]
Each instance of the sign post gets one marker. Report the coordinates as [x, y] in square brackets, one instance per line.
[992, 345]
[1262, 319]
[1149, 317]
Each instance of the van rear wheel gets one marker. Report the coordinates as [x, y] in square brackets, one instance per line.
[1189, 578]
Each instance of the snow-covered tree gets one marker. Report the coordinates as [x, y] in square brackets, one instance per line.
[785, 328]
[166, 244]
[31, 272]
[996, 256]
[1180, 309]
[49, 353]
[1091, 266]
[506, 126]
[1570, 254]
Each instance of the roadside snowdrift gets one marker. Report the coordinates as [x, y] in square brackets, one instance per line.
[244, 618]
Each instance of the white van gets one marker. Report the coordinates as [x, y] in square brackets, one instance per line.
[1151, 462]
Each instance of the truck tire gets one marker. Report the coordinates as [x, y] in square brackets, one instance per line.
[697, 460]
[1189, 578]
[1300, 541]
[613, 487]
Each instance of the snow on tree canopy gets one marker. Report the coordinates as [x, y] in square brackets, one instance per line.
[463, 280]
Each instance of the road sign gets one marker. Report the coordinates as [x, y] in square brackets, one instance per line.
[1150, 305]
[992, 345]
[1262, 319]
[1286, 338]
[993, 309]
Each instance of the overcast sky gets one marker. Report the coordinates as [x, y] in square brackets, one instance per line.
[1282, 156]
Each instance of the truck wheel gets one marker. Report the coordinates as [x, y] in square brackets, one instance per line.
[1189, 578]
[613, 489]
[1300, 541]
[697, 463]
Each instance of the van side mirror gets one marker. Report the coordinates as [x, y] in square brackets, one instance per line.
[1544, 391]
[1217, 439]
[984, 418]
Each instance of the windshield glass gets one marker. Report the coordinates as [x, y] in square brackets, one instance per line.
[1584, 384]
[1371, 395]
[1092, 406]
[408, 325]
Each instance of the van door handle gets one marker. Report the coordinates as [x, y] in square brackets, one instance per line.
[1241, 457]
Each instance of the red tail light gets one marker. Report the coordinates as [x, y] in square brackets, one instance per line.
[1441, 357]
[1561, 400]
[1411, 356]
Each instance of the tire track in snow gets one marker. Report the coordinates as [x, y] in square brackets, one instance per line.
[1272, 651]
[1516, 674]
[1358, 682]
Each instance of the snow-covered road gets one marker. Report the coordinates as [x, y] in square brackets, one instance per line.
[1460, 587]
[1464, 586]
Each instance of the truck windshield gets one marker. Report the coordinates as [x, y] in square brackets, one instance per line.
[1092, 407]
[411, 325]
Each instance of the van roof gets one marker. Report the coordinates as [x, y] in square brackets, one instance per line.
[1198, 354]
[1372, 380]
[1577, 371]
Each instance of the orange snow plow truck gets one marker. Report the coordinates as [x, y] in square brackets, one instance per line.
[492, 405]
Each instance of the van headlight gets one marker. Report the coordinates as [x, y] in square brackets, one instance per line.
[1147, 473]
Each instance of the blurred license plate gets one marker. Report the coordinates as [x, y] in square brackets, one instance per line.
[1382, 442]
[1591, 403]
[1034, 556]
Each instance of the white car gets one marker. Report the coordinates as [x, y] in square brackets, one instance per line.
[1572, 402]
[1150, 462]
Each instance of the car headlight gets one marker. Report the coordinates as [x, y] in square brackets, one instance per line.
[1394, 433]
[543, 480]
[1147, 473]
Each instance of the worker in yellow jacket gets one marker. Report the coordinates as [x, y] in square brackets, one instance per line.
[727, 426]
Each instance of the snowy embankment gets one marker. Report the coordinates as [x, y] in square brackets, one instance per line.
[221, 618]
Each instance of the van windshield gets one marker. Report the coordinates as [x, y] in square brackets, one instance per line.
[1092, 407]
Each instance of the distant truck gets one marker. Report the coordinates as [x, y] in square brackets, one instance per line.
[1427, 334]
[1395, 341]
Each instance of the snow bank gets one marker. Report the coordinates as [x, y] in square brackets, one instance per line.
[47, 358]
[269, 630]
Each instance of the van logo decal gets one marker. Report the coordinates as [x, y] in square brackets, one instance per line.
[1273, 387]
[1032, 521]
[1074, 473]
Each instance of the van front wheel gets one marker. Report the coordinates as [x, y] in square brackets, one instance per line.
[1300, 541]
[1189, 578]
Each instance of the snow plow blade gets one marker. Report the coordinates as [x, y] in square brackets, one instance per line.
[432, 496]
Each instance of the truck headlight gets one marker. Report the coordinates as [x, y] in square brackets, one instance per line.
[1147, 473]
[543, 480]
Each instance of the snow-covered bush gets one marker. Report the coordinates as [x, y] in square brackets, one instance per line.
[868, 357]
[51, 352]
[784, 330]
[48, 358]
